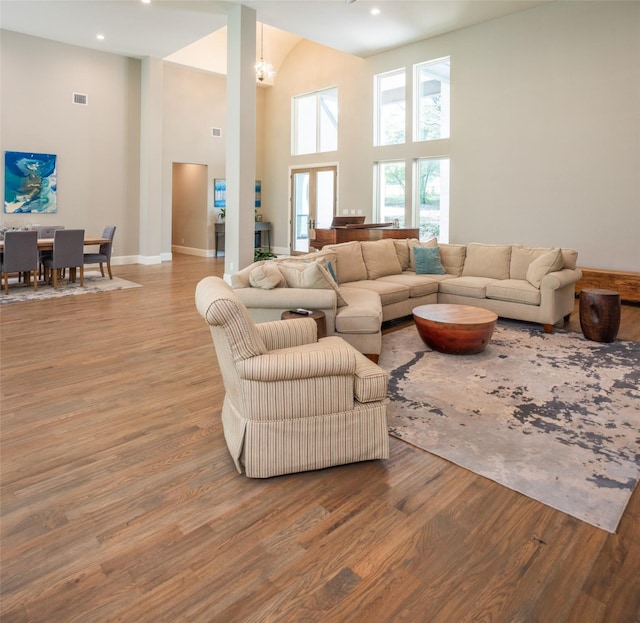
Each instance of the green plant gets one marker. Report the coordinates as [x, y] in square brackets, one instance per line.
[222, 213]
[263, 254]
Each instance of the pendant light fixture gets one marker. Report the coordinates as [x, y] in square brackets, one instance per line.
[264, 70]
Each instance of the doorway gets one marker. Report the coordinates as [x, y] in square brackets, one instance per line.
[313, 204]
[189, 218]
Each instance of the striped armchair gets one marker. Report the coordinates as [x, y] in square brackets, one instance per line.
[293, 402]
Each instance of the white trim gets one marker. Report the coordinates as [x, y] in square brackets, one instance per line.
[193, 251]
[148, 260]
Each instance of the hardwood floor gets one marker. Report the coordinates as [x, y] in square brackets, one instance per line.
[120, 501]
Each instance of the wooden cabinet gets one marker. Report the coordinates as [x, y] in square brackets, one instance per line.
[361, 233]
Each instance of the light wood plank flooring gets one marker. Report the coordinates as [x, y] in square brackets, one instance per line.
[120, 501]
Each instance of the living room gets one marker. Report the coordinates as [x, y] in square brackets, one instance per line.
[120, 499]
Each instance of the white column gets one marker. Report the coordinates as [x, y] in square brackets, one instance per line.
[241, 138]
[151, 162]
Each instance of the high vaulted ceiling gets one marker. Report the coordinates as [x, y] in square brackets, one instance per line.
[165, 27]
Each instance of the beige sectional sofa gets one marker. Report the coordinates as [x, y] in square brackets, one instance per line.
[358, 285]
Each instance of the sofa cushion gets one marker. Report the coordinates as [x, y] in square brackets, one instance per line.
[266, 276]
[514, 291]
[521, 258]
[309, 275]
[546, 263]
[350, 264]
[388, 291]
[475, 287]
[452, 258]
[412, 242]
[380, 258]
[487, 260]
[427, 261]
[402, 251]
[363, 314]
[419, 285]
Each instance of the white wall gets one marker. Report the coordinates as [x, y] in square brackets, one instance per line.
[545, 128]
[97, 146]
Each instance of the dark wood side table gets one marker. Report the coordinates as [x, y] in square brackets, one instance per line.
[318, 316]
[599, 314]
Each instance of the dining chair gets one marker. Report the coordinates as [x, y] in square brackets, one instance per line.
[20, 255]
[45, 231]
[103, 256]
[68, 252]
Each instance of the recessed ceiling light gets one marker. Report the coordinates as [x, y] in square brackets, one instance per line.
[146, 1]
[375, 11]
[101, 37]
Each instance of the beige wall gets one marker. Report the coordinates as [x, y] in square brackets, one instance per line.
[97, 146]
[544, 147]
[545, 129]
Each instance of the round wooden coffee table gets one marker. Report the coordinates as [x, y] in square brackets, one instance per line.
[455, 329]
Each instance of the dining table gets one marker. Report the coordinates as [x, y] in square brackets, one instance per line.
[46, 244]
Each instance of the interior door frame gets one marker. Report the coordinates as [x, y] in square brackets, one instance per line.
[312, 169]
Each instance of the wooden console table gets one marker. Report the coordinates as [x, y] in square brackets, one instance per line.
[261, 227]
[348, 233]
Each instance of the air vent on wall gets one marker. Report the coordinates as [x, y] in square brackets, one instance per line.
[216, 132]
[81, 98]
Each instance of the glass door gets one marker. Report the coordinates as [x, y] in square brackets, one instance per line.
[313, 196]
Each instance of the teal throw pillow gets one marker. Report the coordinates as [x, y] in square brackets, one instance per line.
[332, 272]
[428, 261]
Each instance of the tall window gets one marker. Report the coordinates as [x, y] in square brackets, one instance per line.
[390, 108]
[315, 122]
[390, 191]
[432, 99]
[432, 198]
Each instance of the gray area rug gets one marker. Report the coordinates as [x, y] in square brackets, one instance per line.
[555, 417]
[93, 282]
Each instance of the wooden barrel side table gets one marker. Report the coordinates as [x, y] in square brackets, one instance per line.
[318, 316]
[599, 314]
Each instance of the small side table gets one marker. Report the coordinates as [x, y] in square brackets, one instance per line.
[599, 314]
[318, 316]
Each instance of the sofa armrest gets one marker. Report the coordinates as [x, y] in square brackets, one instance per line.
[287, 334]
[288, 298]
[298, 363]
[560, 278]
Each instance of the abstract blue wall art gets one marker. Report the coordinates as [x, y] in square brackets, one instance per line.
[30, 183]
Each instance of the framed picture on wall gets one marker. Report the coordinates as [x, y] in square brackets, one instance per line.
[30, 183]
[219, 193]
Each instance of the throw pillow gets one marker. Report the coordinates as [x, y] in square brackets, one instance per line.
[266, 277]
[332, 272]
[380, 258]
[402, 251]
[310, 275]
[546, 263]
[412, 243]
[427, 261]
